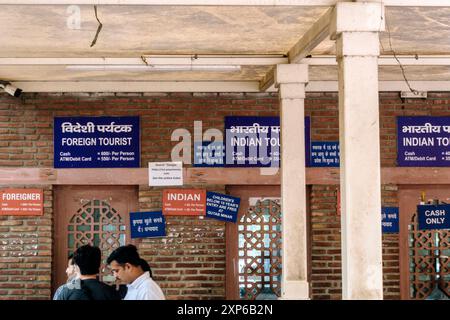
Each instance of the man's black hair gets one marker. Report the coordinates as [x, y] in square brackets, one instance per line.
[146, 267]
[129, 254]
[88, 259]
[70, 259]
[125, 254]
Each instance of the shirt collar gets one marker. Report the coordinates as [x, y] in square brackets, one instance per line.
[139, 280]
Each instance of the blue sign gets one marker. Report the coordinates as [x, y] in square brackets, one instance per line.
[147, 224]
[423, 141]
[96, 142]
[222, 206]
[255, 141]
[434, 216]
[209, 154]
[325, 154]
[307, 141]
[389, 219]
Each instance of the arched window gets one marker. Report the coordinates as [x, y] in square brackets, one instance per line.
[98, 224]
[259, 250]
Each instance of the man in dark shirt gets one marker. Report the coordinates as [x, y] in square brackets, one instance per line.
[88, 259]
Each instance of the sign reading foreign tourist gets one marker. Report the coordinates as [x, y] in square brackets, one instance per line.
[96, 142]
[222, 206]
[165, 173]
[423, 141]
[434, 216]
[184, 202]
[22, 202]
[147, 224]
[389, 219]
[325, 154]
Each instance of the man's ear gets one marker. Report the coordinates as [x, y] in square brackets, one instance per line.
[127, 266]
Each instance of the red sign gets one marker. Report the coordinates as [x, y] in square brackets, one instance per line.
[184, 202]
[21, 202]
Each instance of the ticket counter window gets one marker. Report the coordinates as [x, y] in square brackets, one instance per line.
[96, 215]
[259, 251]
[424, 253]
[429, 252]
[99, 224]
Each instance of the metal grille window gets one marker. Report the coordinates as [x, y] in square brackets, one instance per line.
[259, 243]
[429, 252]
[98, 224]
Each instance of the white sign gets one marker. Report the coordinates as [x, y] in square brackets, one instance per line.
[165, 173]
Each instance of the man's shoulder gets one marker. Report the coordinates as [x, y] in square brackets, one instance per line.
[68, 293]
[150, 290]
[100, 290]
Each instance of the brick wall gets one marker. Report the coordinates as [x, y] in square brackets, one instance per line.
[190, 261]
[26, 253]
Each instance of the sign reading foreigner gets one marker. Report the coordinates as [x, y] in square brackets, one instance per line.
[434, 216]
[22, 202]
[423, 141]
[184, 202]
[96, 142]
[222, 206]
[147, 224]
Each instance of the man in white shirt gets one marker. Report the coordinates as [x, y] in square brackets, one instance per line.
[126, 266]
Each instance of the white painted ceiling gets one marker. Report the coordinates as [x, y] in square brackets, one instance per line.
[42, 31]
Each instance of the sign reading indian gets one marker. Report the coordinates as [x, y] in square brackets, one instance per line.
[22, 202]
[184, 202]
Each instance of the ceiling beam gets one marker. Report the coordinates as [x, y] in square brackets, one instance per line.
[255, 60]
[137, 86]
[386, 61]
[268, 81]
[383, 86]
[316, 34]
[221, 3]
[313, 37]
[208, 86]
[221, 60]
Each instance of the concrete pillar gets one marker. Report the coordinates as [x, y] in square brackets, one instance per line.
[291, 81]
[355, 27]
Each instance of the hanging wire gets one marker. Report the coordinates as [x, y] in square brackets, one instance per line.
[395, 56]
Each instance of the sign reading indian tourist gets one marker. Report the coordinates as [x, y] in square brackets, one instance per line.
[184, 202]
[222, 206]
[96, 142]
[22, 202]
[147, 224]
[389, 219]
[165, 173]
[434, 216]
[252, 141]
[423, 141]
